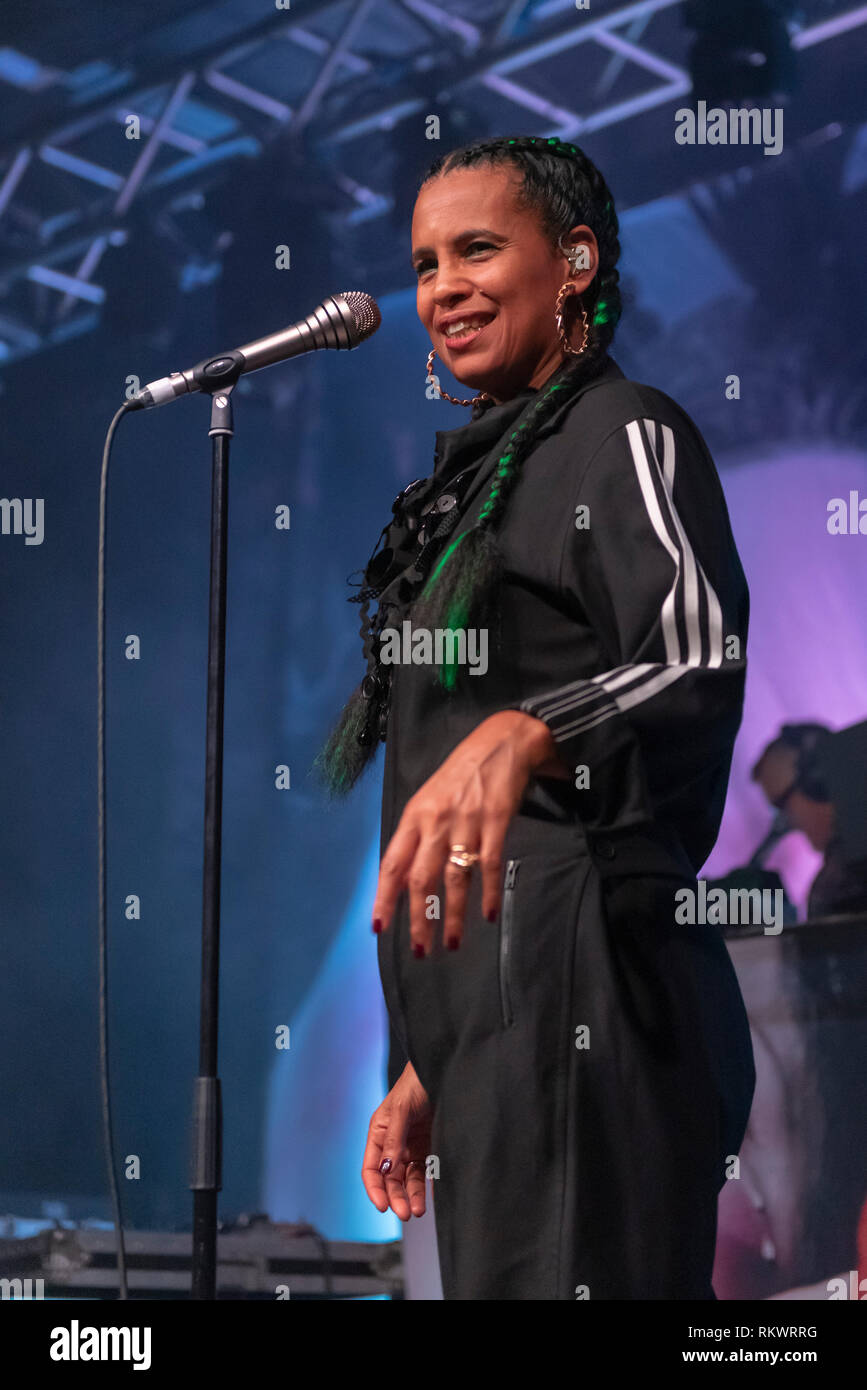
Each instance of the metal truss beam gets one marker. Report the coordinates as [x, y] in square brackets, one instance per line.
[456, 56]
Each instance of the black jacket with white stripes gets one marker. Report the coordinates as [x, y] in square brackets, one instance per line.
[622, 621]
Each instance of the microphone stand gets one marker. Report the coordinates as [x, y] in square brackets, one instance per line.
[207, 1120]
[341, 321]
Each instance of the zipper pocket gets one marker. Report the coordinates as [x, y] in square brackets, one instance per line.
[506, 919]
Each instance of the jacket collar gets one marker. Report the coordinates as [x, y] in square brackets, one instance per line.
[481, 441]
[498, 421]
[457, 447]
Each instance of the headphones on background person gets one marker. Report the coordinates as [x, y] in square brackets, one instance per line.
[807, 740]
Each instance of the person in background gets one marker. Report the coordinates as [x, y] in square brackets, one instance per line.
[792, 783]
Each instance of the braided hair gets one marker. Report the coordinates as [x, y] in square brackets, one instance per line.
[565, 189]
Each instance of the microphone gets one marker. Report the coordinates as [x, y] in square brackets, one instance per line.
[342, 321]
[780, 826]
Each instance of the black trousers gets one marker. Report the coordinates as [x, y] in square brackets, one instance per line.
[590, 1065]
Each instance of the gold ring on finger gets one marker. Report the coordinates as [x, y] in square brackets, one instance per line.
[462, 857]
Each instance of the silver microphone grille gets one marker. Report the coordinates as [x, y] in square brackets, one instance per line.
[364, 310]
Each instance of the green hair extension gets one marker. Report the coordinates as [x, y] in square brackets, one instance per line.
[465, 577]
[342, 759]
[447, 554]
[455, 621]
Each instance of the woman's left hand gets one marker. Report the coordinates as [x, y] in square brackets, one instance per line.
[468, 801]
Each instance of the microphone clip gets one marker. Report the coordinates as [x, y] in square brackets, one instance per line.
[216, 373]
[213, 374]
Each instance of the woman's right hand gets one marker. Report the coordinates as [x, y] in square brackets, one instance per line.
[399, 1136]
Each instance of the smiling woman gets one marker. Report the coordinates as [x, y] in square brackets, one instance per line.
[581, 1072]
[515, 271]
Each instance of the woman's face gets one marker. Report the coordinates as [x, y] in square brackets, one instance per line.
[478, 254]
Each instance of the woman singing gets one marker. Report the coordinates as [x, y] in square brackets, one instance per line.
[556, 663]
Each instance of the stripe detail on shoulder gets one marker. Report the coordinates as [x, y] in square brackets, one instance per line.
[690, 607]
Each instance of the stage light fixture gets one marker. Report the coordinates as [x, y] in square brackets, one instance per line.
[741, 51]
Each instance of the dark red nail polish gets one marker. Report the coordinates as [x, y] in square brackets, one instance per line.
[492, 915]
[418, 950]
[453, 942]
[385, 1166]
[377, 924]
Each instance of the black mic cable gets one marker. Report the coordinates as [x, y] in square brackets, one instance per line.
[108, 1135]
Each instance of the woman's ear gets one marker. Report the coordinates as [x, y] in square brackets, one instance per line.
[582, 239]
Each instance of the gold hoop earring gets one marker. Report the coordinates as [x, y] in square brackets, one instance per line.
[567, 289]
[476, 400]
